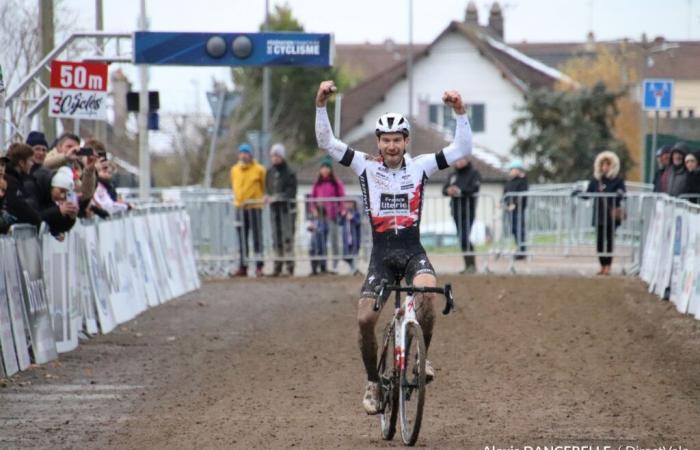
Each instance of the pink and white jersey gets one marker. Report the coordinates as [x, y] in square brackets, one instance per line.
[393, 198]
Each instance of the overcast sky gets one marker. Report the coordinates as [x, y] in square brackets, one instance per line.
[375, 20]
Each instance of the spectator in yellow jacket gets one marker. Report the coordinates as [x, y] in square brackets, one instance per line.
[248, 184]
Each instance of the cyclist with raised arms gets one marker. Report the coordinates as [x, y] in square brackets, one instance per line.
[392, 189]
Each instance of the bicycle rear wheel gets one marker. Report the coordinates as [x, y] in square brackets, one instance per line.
[388, 388]
[412, 384]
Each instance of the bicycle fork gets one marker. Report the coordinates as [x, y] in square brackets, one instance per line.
[405, 315]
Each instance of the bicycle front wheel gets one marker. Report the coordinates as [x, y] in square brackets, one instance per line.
[388, 388]
[412, 384]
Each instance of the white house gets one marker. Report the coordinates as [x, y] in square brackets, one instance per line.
[492, 77]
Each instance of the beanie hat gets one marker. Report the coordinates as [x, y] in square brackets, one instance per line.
[37, 138]
[63, 178]
[516, 164]
[663, 150]
[327, 162]
[690, 156]
[245, 148]
[279, 150]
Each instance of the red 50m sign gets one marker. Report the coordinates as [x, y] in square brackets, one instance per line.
[78, 90]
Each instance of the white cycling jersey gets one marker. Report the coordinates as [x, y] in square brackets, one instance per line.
[393, 198]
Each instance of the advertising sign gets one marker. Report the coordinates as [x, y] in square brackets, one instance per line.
[78, 90]
[233, 49]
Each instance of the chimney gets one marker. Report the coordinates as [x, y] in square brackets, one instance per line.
[496, 20]
[471, 17]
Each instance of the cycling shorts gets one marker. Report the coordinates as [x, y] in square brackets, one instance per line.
[394, 264]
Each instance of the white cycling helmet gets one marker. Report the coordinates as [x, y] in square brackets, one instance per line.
[392, 123]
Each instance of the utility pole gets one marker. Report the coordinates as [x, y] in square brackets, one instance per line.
[266, 97]
[46, 30]
[144, 155]
[409, 60]
[100, 126]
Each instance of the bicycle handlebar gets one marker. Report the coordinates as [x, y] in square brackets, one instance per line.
[384, 289]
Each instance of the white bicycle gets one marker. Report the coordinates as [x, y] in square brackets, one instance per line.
[401, 363]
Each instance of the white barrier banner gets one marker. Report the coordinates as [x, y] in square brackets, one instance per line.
[689, 266]
[98, 281]
[679, 240]
[128, 283]
[81, 288]
[663, 268]
[36, 302]
[58, 275]
[7, 342]
[107, 241]
[155, 242]
[176, 271]
[694, 295]
[140, 234]
[14, 297]
[649, 259]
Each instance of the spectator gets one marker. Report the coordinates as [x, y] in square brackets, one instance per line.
[515, 205]
[58, 201]
[281, 187]
[692, 185]
[248, 184]
[663, 159]
[678, 175]
[351, 228]
[105, 198]
[608, 212]
[65, 154]
[18, 203]
[327, 186]
[37, 141]
[6, 219]
[462, 186]
[318, 226]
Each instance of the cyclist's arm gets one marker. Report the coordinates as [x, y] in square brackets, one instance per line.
[337, 149]
[461, 147]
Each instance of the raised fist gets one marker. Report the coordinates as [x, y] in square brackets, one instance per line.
[453, 99]
[325, 90]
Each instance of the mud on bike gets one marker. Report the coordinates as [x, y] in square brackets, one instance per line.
[401, 363]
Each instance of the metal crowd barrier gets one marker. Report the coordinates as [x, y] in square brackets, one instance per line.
[103, 274]
[572, 224]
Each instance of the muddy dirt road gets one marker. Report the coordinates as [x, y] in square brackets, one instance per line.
[274, 364]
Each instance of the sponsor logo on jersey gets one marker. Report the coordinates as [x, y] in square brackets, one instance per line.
[394, 203]
[407, 186]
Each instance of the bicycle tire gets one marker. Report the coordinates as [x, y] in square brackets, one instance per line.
[389, 390]
[412, 384]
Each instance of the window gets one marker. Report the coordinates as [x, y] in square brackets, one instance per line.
[679, 113]
[477, 117]
[691, 112]
[443, 116]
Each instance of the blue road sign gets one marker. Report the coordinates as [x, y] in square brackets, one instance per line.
[233, 49]
[658, 95]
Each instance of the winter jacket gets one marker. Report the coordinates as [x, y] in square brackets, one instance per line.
[468, 180]
[248, 183]
[17, 202]
[677, 180]
[48, 209]
[325, 188]
[281, 183]
[517, 184]
[658, 180]
[692, 185]
[611, 183]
